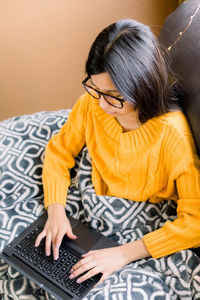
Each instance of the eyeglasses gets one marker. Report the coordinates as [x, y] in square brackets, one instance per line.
[112, 100]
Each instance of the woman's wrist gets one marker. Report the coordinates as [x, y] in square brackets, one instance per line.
[135, 250]
[55, 208]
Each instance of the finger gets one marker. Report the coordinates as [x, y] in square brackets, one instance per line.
[89, 274]
[48, 244]
[56, 244]
[56, 251]
[82, 269]
[81, 262]
[70, 234]
[88, 253]
[40, 237]
[58, 239]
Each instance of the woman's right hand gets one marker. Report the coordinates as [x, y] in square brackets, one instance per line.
[57, 225]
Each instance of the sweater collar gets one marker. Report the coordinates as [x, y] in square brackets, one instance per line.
[142, 136]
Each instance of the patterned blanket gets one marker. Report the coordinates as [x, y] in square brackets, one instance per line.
[22, 144]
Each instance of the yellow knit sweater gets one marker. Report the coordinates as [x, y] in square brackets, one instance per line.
[156, 161]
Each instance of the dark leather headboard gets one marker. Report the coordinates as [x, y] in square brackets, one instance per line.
[185, 59]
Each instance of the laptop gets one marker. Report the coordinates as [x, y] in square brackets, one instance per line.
[53, 275]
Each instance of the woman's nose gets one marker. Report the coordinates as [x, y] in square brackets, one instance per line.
[103, 103]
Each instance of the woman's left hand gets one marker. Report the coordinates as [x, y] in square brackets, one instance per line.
[105, 261]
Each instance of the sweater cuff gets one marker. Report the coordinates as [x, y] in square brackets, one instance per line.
[55, 191]
[159, 243]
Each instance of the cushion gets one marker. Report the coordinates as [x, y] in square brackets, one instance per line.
[185, 58]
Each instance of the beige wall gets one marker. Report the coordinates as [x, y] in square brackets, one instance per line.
[44, 45]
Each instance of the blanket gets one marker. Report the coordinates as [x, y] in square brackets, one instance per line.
[22, 144]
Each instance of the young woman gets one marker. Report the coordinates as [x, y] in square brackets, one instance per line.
[140, 145]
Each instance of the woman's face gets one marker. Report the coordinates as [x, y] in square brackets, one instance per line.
[103, 83]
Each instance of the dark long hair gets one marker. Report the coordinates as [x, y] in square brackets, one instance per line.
[130, 53]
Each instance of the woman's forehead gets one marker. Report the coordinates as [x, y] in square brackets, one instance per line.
[102, 81]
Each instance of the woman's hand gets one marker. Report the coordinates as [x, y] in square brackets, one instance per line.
[107, 261]
[57, 225]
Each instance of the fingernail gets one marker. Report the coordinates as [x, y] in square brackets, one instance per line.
[78, 280]
[71, 276]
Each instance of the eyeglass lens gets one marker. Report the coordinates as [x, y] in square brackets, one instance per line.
[112, 101]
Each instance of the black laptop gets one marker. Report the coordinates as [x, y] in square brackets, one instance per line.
[53, 275]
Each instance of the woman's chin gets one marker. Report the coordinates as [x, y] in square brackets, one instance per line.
[110, 113]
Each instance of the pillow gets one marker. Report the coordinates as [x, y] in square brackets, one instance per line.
[22, 143]
[185, 58]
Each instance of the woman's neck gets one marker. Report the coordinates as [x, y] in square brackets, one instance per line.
[129, 121]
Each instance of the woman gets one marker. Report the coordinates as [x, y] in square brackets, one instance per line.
[140, 145]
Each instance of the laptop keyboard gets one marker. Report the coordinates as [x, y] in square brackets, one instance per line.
[55, 270]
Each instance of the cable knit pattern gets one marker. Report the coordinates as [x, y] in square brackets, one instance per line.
[155, 162]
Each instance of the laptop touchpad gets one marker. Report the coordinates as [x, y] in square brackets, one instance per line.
[87, 238]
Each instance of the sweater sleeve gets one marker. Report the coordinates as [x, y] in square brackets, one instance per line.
[184, 231]
[60, 153]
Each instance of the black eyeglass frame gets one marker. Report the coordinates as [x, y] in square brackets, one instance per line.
[101, 93]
